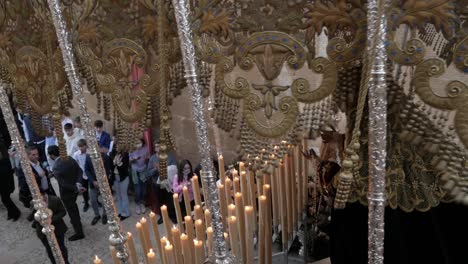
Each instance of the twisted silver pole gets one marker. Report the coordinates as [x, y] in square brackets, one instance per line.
[117, 238]
[43, 214]
[377, 130]
[182, 14]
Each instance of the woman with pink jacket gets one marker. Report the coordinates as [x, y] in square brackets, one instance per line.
[183, 178]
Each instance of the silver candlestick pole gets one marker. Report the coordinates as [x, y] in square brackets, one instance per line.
[116, 239]
[43, 214]
[182, 14]
[377, 130]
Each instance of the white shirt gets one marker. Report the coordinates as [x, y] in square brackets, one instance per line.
[111, 147]
[81, 159]
[37, 167]
[79, 131]
[25, 129]
[72, 143]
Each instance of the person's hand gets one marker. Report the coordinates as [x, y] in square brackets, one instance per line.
[95, 183]
[156, 165]
[42, 174]
[309, 154]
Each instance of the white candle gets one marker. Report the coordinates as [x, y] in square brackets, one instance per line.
[151, 257]
[209, 235]
[207, 218]
[131, 248]
[199, 251]
[188, 208]
[175, 198]
[169, 252]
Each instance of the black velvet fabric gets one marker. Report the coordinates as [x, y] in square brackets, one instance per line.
[438, 236]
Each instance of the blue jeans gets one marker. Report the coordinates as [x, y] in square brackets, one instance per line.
[140, 191]
[121, 188]
[94, 201]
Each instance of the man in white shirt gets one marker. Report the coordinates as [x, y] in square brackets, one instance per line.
[71, 139]
[78, 127]
[66, 120]
[80, 157]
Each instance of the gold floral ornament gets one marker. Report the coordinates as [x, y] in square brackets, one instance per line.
[112, 76]
[33, 78]
[339, 17]
[269, 52]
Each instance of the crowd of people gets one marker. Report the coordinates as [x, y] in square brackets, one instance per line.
[76, 175]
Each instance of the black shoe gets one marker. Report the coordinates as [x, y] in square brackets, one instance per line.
[76, 237]
[104, 219]
[86, 207]
[34, 224]
[95, 220]
[160, 221]
[123, 217]
[30, 217]
[15, 216]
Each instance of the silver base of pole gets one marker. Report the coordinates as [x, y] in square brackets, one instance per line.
[229, 258]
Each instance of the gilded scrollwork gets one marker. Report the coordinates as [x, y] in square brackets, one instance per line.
[287, 106]
[457, 94]
[269, 50]
[416, 15]
[112, 72]
[124, 103]
[460, 55]
[340, 51]
[33, 78]
[300, 87]
[241, 85]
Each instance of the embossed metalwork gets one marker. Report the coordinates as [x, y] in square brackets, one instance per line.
[377, 130]
[182, 13]
[117, 238]
[43, 214]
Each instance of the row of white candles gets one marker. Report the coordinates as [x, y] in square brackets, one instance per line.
[281, 199]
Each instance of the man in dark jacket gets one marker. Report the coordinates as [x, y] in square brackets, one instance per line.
[40, 174]
[93, 184]
[58, 212]
[7, 185]
[103, 138]
[68, 174]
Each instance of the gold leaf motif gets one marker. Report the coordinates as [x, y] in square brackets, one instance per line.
[287, 105]
[216, 23]
[88, 33]
[150, 28]
[330, 15]
[440, 13]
